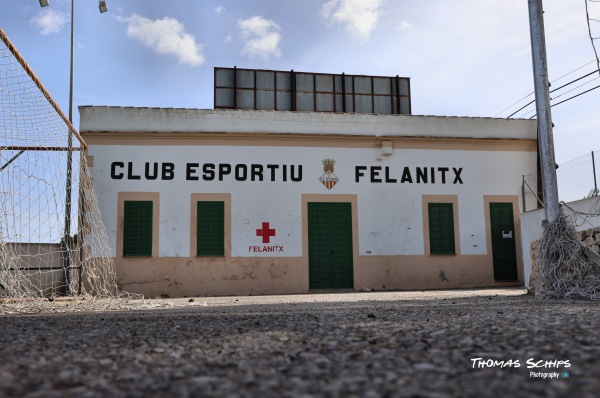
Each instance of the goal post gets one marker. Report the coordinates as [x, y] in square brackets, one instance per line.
[52, 237]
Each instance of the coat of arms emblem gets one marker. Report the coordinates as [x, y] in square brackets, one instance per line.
[328, 179]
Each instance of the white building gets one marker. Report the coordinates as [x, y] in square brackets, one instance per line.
[230, 202]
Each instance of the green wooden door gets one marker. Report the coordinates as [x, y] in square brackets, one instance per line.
[330, 260]
[503, 242]
[441, 228]
[137, 228]
[210, 229]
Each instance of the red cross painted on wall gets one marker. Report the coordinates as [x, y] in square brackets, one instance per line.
[265, 232]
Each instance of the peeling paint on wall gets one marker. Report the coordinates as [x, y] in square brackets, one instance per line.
[278, 270]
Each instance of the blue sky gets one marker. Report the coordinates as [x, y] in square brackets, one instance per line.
[464, 58]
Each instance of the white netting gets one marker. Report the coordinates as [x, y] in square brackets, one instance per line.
[52, 238]
[564, 267]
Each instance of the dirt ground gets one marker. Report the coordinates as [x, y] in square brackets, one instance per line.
[459, 343]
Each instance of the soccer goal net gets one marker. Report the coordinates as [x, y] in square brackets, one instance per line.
[52, 238]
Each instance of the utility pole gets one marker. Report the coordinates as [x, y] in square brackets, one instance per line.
[544, 115]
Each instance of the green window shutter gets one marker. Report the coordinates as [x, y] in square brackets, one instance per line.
[211, 229]
[137, 228]
[441, 228]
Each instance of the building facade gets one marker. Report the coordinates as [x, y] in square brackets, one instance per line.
[236, 202]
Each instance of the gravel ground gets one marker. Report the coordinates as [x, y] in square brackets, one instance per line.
[377, 344]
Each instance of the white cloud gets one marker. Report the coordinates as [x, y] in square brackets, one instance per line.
[358, 16]
[165, 36]
[219, 10]
[261, 36]
[404, 25]
[49, 21]
[227, 39]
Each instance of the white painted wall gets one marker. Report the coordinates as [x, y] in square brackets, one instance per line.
[531, 227]
[100, 118]
[389, 215]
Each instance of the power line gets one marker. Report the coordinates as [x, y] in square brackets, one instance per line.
[577, 95]
[521, 108]
[597, 60]
[510, 106]
[573, 71]
[570, 98]
[553, 81]
[573, 81]
[587, 14]
[558, 88]
[575, 88]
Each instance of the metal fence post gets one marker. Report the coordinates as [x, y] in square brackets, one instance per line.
[594, 168]
[523, 194]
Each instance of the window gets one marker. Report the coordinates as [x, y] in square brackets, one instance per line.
[137, 228]
[441, 228]
[211, 229]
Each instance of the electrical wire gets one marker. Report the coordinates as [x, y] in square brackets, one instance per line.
[587, 14]
[553, 81]
[597, 60]
[575, 88]
[573, 81]
[575, 96]
[556, 89]
[570, 98]
[510, 106]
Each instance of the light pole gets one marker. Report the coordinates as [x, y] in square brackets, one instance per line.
[64, 289]
[103, 8]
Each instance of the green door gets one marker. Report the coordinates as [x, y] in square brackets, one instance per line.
[330, 259]
[503, 242]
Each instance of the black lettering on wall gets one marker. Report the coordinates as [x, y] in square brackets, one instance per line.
[272, 167]
[443, 170]
[359, 172]
[241, 172]
[208, 172]
[406, 177]
[190, 171]
[387, 176]
[168, 171]
[375, 173]
[113, 170]
[422, 174]
[256, 172]
[224, 169]
[288, 172]
[293, 176]
[130, 175]
[457, 178]
[147, 173]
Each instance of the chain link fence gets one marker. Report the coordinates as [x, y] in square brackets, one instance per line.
[576, 180]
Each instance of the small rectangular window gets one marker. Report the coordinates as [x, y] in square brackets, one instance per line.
[211, 229]
[441, 228]
[137, 228]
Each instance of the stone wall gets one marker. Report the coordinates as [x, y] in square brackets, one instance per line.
[591, 238]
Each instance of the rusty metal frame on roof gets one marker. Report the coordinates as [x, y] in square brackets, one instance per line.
[262, 89]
